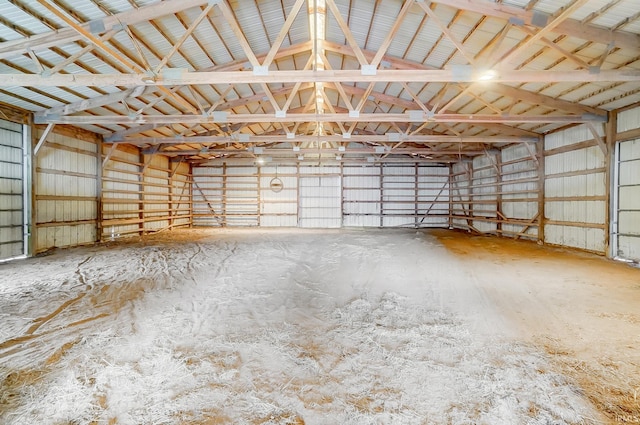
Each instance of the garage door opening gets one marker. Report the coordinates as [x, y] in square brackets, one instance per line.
[626, 196]
[13, 192]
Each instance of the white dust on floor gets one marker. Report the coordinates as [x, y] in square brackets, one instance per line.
[266, 327]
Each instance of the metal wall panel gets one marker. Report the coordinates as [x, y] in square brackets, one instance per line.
[143, 194]
[520, 189]
[242, 196]
[433, 197]
[628, 120]
[484, 186]
[319, 198]
[155, 199]
[575, 190]
[121, 194]
[180, 197]
[361, 196]
[322, 197]
[627, 235]
[278, 196]
[399, 196]
[12, 196]
[66, 191]
[460, 195]
[208, 193]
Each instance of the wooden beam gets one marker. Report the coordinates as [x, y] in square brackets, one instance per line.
[312, 117]
[64, 36]
[570, 27]
[327, 76]
[95, 102]
[516, 93]
[330, 138]
[268, 59]
[235, 27]
[384, 46]
[176, 46]
[524, 47]
[43, 138]
[445, 30]
[347, 33]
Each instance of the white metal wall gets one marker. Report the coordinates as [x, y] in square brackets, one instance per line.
[319, 197]
[575, 190]
[142, 193]
[484, 188]
[461, 206]
[121, 193]
[322, 197]
[242, 196]
[12, 195]
[208, 196]
[66, 192]
[519, 190]
[361, 196]
[279, 208]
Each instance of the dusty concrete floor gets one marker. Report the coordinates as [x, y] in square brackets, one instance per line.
[260, 326]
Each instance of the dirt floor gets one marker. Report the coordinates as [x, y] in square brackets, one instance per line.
[319, 327]
[583, 309]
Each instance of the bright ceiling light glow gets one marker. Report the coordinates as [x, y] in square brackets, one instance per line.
[487, 75]
[317, 29]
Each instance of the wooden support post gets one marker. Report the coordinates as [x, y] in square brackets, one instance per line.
[31, 249]
[141, 216]
[299, 201]
[259, 211]
[99, 205]
[541, 189]
[471, 191]
[450, 196]
[170, 200]
[499, 189]
[224, 195]
[415, 197]
[381, 195]
[611, 131]
[342, 212]
[190, 184]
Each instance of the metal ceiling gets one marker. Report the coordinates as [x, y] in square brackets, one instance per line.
[393, 80]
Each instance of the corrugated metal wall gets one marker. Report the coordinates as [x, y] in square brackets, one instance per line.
[362, 196]
[497, 193]
[12, 191]
[461, 210]
[242, 196]
[575, 190]
[485, 187]
[208, 196]
[278, 196]
[142, 194]
[519, 197]
[66, 192]
[319, 197]
[322, 197]
[626, 231]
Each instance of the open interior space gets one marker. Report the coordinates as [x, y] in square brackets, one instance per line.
[306, 326]
[319, 212]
